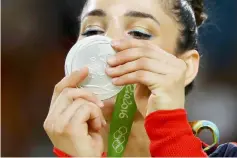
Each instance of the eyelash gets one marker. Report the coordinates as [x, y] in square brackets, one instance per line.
[140, 35]
[92, 32]
[135, 34]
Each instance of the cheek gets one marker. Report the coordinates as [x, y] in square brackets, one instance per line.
[169, 34]
[168, 41]
[168, 45]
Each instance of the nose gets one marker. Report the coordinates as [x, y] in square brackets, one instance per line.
[115, 29]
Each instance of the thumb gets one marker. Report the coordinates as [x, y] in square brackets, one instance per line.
[98, 143]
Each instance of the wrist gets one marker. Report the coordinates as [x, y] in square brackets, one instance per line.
[167, 119]
[60, 153]
[163, 103]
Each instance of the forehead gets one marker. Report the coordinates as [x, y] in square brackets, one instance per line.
[120, 7]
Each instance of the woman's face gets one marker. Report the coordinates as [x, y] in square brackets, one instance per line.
[118, 19]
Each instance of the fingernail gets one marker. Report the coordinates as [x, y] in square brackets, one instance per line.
[101, 104]
[111, 60]
[83, 69]
[104, 123]
[109, 70]
[114, 80]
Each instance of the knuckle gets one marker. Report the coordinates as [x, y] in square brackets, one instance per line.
[118, 56]
[65, 92]
[138, 74]
[121, 68]
[143, 63]
[47, 126]
[139, 63]
[80, 102]
[69, 131]
[59, 127]
[141, 53]
[85, 106]
[141, 75]
[128, 55]
[92, 105]
[57, 88]
[58, 131]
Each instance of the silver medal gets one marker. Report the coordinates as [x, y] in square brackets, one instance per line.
[93, 52]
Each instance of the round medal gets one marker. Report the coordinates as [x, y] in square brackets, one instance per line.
[93, 52]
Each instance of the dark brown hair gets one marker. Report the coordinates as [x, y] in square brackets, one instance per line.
[190, 14]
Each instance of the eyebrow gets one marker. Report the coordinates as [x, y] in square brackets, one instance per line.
[135, 14]
[96, 12]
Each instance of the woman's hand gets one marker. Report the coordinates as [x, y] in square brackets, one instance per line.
[74, 118]
[159, 76]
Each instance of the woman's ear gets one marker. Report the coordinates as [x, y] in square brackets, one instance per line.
[192, 60]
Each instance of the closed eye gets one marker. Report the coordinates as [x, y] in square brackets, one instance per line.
[140, 35]
[91, 32]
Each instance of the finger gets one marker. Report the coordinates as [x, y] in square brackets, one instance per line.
[147, 78]
[130, 55]
[141, 64]
[137, 53]
[96, 122]
[86, 113]
[71, 81]
[63, 120]
[68, 95]
[128, 43]
[124, 44]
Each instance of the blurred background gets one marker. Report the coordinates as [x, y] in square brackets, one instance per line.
[36, 36]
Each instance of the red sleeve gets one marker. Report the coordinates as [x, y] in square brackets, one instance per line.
[171, 135]
[60, 153]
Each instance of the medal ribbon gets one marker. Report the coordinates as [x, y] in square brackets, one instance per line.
[122, 119]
